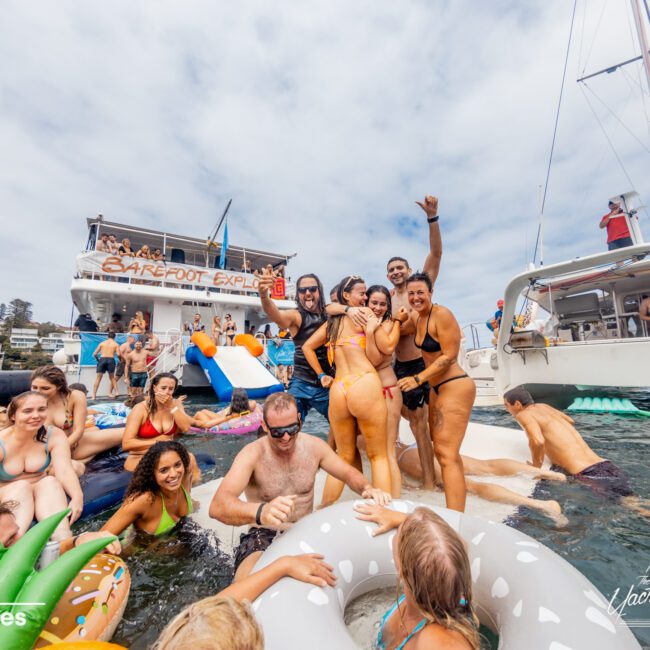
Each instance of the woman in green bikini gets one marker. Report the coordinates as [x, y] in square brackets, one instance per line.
[158, 496]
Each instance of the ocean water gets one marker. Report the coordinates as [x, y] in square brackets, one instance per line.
[607, 542]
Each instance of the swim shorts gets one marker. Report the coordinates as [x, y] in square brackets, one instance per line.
[138, 379]
[256, 539]
[607, 479]
[106, 364]
[418, 397]
[119, 369]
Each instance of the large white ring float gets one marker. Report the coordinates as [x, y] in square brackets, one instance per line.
[523, 591]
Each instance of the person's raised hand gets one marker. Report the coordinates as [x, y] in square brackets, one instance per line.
[163, 398]
[385, 519]
[380, 497]
[266, 282]
[359, 316]
[311, 569]
[430, 205]
[402, 315]
[326, 381]
[278, 511]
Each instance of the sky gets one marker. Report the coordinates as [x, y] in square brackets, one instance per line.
[324, 122]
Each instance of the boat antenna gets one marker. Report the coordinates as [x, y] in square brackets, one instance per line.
[643, 39]
[539, 239]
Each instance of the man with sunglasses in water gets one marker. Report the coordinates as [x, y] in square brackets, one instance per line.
[301, 322]
[277, 473]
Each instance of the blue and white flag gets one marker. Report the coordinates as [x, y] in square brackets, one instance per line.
[224, 248]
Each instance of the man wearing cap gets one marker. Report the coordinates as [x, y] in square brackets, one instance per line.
[618, 232]
[495, 323]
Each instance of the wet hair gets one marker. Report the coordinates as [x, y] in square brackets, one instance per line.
[380, 288]
[435, 568]
[420, 277]
[334, 322]
[397, 259]
[54, 376]
[111, 335]
[133, 401]
[216, 623]
[81, 387]
[151, 394]
[321, 297]
[239, 401]
[116, 316]
[8, 507]
[518, 395]
[16, 403]
[144, 476]
[279, 402]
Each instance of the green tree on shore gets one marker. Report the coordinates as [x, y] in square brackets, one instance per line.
[19, 313]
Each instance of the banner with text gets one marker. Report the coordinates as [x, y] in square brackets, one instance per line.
[106, 265]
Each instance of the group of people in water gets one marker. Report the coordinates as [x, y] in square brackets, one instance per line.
[363, 361]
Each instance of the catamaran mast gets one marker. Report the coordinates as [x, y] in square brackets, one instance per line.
[643, 39]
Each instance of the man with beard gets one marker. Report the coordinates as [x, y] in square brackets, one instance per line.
[301, 322]
[408, 358]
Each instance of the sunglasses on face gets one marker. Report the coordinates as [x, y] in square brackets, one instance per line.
[278, 432]
[304, 290]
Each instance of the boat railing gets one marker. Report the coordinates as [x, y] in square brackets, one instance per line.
[479, 338]
[171, 356]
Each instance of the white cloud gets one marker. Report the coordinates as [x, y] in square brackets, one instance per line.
[324, 122]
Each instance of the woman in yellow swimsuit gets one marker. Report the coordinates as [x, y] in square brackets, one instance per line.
[68, 410]
[452, 392]
[356, 394]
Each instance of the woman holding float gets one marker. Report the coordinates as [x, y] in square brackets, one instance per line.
[28, 448]
[356, 396]
[67, 410]
[158, 496]
[452, 392]
[160, 417]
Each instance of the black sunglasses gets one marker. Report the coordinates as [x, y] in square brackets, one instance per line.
[278, 432]
[303, 290]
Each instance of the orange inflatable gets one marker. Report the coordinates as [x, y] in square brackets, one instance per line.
[89, 645]
[204, 343]
[91, 607]
[250, 343]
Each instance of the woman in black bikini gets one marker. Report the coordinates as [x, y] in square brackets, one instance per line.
[229, 329]
[452, 392]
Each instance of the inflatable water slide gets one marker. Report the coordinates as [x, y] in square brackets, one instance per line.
[236, 366]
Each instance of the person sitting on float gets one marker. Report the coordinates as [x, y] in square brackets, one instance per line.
[225, 621]
[28, 447]
[159, 417]
[158, 496]
[68, 410]
[435, 610]
[240, 405]
[9, 532]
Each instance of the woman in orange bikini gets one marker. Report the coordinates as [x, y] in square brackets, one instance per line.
[452, 392]
[356, 395]
[159, 417]
[68, 410]
[387, 337]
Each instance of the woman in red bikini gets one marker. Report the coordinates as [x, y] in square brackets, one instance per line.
[452, 392]
[159, 417]
[356, 398]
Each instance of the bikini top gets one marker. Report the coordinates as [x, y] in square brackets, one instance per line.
[429, 344]
[166, 522]
[354, 341]
[5, 476]
[148, 430]
[380, 643]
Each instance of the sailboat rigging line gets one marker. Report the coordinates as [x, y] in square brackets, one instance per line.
[591, 47]
[220, 222]
[647, 10]
[616, 117]
[557, 120]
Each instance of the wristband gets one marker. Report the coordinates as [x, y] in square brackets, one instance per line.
[417, 380]
[346, 309]
[258, 514]
[322, 374]
[174, 410]
[433, 219]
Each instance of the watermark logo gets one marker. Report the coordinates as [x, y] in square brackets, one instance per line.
[628, 602]
[9, 619]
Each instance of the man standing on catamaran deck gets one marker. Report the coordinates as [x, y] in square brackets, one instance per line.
[618, 232]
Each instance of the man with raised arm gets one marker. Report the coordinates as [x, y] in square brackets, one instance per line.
[277, 473]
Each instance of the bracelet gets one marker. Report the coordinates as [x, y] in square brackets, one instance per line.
[433, 219]
[174, 410]
[346, 309]
[322, 374]
[258, 514]
[417, 380]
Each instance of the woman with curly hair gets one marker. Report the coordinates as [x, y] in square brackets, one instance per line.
[435, 609]
[68, 410]
[158, 495]
[356, 395]
[159, 417]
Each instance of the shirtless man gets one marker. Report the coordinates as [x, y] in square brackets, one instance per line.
[103, 245]
[136, 369]
[644, 312]
[122, 353]
[408, 358]
[153, 349]
[105, 355]
[551, 433]
[277, 474]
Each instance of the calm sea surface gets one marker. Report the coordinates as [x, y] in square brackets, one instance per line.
[608, 543]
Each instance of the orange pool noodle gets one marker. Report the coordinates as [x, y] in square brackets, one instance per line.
[204, 343]
[250, 343]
